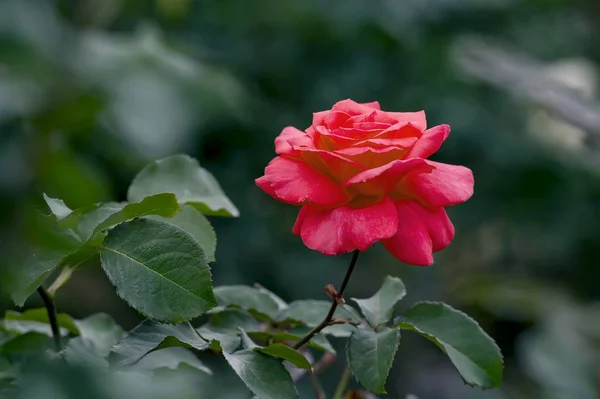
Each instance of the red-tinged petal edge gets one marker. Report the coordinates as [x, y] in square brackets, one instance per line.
[344, 229]
[372, 104]
[294, 182]
[439, 226]
[430, 142]
[416, 118]
[446, 185]
[352, 107]
[290, 133]
[412, 243]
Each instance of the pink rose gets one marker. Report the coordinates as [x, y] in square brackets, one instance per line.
[360, 176]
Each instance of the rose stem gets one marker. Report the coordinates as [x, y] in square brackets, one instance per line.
[341, 388]
[51, 309]
[334, 304]
[316, 385]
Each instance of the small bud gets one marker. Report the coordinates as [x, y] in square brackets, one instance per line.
[331, 291]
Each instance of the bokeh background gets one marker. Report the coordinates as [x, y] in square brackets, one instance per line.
[92, 90]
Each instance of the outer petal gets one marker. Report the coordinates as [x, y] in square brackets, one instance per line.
[439, 226]
[416, 118]
[430, 142]
[344, 229]
[290, 133]
[372, 104]
[381, 180]
[319, 117]
[411, 244]
[300, 219]
[446, 185]
[295, 182]
[352, 107]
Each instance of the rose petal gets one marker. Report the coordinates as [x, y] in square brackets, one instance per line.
[400, 130]
[373, 157]
[446, 185]
[361, 118]
[319, 117]
[326, 140]
[282, 145]
[371, 126]
[381, 180]
[335, 119]
[294, 182]
[372, 104]
[344, 229]
[352, 107]
[404, 142]
[355, 134]
[331, 164]
[439, 226]
[430, 142]
[416, 118]
[300, 219]
[411, 244]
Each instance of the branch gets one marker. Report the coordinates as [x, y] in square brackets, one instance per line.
[52, 317]
[337, 298]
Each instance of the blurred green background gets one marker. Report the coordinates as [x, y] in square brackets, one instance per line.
[91, 90]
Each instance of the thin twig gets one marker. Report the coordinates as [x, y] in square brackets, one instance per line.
[342, 385]
[334, 304]
[52, 316]
[61, 280]
[316, 385]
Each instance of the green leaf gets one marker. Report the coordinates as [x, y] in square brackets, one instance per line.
[36, 269]
[32, 343]
[171, 358]
[248, 298]
[57, 207]
[265, 376]
[99, 333]
[286, 353]
[37, 320]
[319, 341]
[247, 342]
[159, 270]
[471, 350]
[311, 313]
[371, 354]
[281, 304]
[89, 221]
[223, 328]
[380, 307]
[197, 225]
[77, 352]
[161, 204]
[184, 177]
[149, 335]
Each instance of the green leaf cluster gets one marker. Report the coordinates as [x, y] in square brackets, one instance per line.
[155, 248]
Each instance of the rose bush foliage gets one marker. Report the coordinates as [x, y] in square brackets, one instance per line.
[361, 176]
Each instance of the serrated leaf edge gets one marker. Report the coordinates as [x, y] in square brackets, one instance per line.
[398, 324]
[383, 391]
